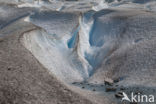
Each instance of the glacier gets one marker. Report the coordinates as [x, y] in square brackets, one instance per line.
[80, 47]
[86, 44]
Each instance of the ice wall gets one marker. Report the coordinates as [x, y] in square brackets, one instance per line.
[94, 45]
[76, 55]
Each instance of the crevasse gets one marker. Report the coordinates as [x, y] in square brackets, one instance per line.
[72, 57]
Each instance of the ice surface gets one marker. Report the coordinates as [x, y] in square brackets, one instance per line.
[84, 42]
[78, 46]
[84, 5]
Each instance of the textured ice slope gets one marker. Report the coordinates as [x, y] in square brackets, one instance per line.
[12, 15]
[83, 5]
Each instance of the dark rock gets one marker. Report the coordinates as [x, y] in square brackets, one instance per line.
[74, 83]
[116, 80]
[122, 88]
[109, 82]
[1, 40]
[116, 85]
[119, 94]
[9, 68]
[102, 85]
[83, 87]
[110, 89]
[94, 90]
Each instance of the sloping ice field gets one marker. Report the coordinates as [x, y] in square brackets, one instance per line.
[87, 44]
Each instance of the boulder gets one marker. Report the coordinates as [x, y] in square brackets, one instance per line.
[119, 94]
[110, 89]
[108, 81]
